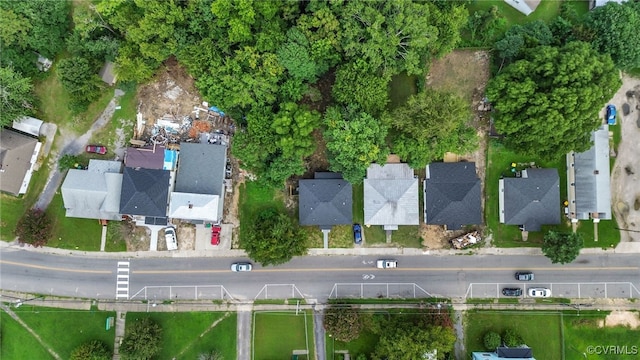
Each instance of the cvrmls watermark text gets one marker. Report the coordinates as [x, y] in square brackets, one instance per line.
[613, 349]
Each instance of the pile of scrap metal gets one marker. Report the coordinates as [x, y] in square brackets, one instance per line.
[465, 240]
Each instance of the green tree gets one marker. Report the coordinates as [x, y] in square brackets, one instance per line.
[78, 77]
[399, 36]
[295, 56]
[142, 340]
[273, 238]
[413, 343]
[34, 228]
[512, 338]
[521, 37]
[293, 126]
[615, 27]
[492, 340]
[561, 248]
[355, 139]
[430, 124]
[92, 350]
[343, 322]
[68, 161]
[358, 84]
[547, 104]
[16, 96]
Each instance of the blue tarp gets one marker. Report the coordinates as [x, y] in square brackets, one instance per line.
[170, 159]
[215, 109]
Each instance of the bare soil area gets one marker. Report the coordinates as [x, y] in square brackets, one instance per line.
[625, 177]
[465, 73]
[621, 318]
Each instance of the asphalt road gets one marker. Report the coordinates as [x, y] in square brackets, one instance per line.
[316, 277]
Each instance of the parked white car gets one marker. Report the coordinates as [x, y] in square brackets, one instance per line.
[539, 292]
[386, 264]
[170, 237]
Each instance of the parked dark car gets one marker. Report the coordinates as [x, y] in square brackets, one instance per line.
[357, 234]
[524, 276]
[96, 149]
[611, 114]
[512, 292]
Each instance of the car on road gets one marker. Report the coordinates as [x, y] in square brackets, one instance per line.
[241, 267]
[215, 235]
[386, 264]
[611, 114]
[357, 234]
[524, 276]
[96, 149]
[539, 292]
[170, 238]
[512, 292]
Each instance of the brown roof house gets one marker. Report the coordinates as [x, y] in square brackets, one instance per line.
[18, 156]
[93, 193]
[391, 196]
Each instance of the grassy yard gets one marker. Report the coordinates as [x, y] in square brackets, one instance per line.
[340, 236]
[364, 344]
[401, 87]
[18, 343]
[540, 330]
[185, 335]
[61, 329]
[546, 11]
[277, 334]
[583, 331]
[498, 164]
[254, 198]
[72, 233]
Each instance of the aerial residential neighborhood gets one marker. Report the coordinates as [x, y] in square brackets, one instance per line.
[366, 180]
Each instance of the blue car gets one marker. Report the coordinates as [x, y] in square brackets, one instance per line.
[611, 114]
[357, 234]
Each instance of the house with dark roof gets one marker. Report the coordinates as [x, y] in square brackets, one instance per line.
[391, 196]
[93, 193]
[325, 201]
[531, 200]
[145, 193]
[148, 157]
[588, 180]
[198, 195]
[18, 156]
[503, 352]
[452, 195]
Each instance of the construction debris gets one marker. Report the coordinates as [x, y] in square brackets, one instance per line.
[465, 240]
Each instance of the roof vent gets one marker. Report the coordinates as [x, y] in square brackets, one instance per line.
[190, 206]
[596, 172]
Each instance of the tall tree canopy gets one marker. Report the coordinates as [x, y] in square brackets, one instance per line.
[142, 340]
[615, 29]
[430, 124]
[273, 238]
[547, 104]
[355, 139]
[562, 248]
[16, 96]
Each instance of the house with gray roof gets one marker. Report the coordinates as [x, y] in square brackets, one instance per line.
[391, 196]
[452, 195]
[18, 156]
[145, 193]
[588, 180]
[524, 6]
[93, 193]
[325, 201]
[198, 195]
[531, 200]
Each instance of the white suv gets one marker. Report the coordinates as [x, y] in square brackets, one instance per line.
[170, 237]
[539, 292]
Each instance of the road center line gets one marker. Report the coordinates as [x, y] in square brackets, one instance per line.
[41, 267]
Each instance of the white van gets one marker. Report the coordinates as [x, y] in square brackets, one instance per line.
[170, 237]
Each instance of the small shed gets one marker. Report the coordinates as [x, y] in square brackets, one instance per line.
[107, 73]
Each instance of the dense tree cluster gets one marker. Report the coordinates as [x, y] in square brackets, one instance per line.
[34, 228]
[92, 350]
[142, 340]
[16, 98]
[343, 322]
[273, 238]
[562, 248]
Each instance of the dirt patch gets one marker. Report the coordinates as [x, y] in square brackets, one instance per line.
[186, 237]
[621, 318]
[625, 179]
[139, 239]
[465, 73]
[433, 237]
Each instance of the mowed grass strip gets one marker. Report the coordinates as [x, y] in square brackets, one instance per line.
[63, 329]
[277, 334]
[18, 343]
[539, 330]
[181, 333]
[584, 330]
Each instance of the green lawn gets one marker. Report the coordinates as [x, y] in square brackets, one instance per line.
[340, 236]
[254, 198]
[185, 335]
[123, 119]
[540, 330]
[17, 342]
[546, 11]
[401, 87]
[498, 163]
[62, 329]
[72, 233]
[277, 334]
[583, 331]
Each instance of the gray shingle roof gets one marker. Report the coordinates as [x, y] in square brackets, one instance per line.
[452, 195]
[391, 195]
[531, 201]
[92, 195]
[201, 169]
[592, 179]
[144, 192]
[16, 152]
[325, 202]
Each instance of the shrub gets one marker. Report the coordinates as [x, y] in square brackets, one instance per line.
[92, 350]
[492, 340]
[511, 338]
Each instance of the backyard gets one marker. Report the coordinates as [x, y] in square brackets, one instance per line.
[277, 334]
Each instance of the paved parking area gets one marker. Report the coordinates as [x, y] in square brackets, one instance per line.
[559, 290]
